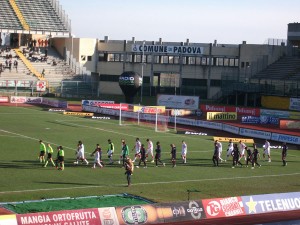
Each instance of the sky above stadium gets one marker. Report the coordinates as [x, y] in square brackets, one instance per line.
[201, 21]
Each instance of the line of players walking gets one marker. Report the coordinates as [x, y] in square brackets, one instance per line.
[141, 153]
[240, 150]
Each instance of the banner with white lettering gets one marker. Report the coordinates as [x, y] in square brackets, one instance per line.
[268, 203]
[83, 216]
[194, 50]
[295, 104]
[178, 102]
[285, 138]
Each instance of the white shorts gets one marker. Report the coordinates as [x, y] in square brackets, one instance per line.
[229, 151]
[150, 152]
[267, 151]
[80, 155]
[183, 153]
[109, 152]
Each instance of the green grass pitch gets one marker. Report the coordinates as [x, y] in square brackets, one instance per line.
[23, 177]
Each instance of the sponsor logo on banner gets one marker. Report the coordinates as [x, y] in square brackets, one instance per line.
[16, 99]
[286, 138]
[4, 100]
[221, 116]
[271, 202]
[226, 139]
[289, 124]
[124, 107]
[41, 85]
[251, 119]
[34, 100]
[295, 104]
[83, 216]
[149, 109]
[178, 102]
[191, 133]
[78, 114]
[99, 117]
[231, 129]
[269, 120]
[108, 216]
[56, 110]
[196, 50]
[96, 102]
[223, 207]
[239, 110]
[255, 133]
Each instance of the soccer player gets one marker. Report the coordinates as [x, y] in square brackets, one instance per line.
[110, 151]
[267, 147]
[284, 153]
[242, 147]
[150, 150]
[158, 154]
[216, 154]
[137, 148]
[219, 145]
[42, 152]
[60, 158]
[183, 151]
[173, 154]
[236, 156]
[230, 149]
[80, 153]
[97, 153]
[143, 157]
[121, 155]
[249, 156]
[49, 155]
[125, 152]
[255, 156]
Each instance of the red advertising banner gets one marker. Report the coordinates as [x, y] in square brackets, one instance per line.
[223, 207]
[4, 100]
[124, 107]
[67, 217]
[290, 124]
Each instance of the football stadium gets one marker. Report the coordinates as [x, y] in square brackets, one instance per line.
[112, 132]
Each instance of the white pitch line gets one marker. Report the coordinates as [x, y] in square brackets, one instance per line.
[152, 183]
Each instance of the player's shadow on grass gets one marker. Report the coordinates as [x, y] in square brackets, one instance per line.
[24, 164]
[72, 183]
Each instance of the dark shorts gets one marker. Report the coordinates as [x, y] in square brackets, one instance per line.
[42, 153]
[157, 156]
[61, 158]
[49, 156]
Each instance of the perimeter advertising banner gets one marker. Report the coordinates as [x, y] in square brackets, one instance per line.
[223, 207]
[4, 99]
[244, 111]
[96, 102]
[67, 217]
[257, 204]
[221, 116]
[295, 104]
[160, 213]
[149, 109]
[178, 101]
[290, 124]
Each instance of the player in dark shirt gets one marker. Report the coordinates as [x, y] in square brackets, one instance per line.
[249, 156]
[284, 153]
[158, 153]
[236, 156]
[173, 154]
[143, 156]
[255, 156]
[215, 157]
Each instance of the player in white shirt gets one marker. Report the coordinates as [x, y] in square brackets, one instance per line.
[150, 150]
[183, 151]
[80, 153]
[230, 149]
[137, 148]
[97, 154]
[267, 152]
[219, 145]
[242, 147]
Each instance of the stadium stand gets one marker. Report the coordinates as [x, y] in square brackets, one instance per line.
[9, 20]
[40, 15]
[286, 68]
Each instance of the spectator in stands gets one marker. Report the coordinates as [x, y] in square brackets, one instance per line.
[43, 73]
[16, 65]
[42, 43]
[46, 52]
[54, 63]
[34, 43]
[46, 43]
[9, 64]
[39, 42]
[0, 41]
